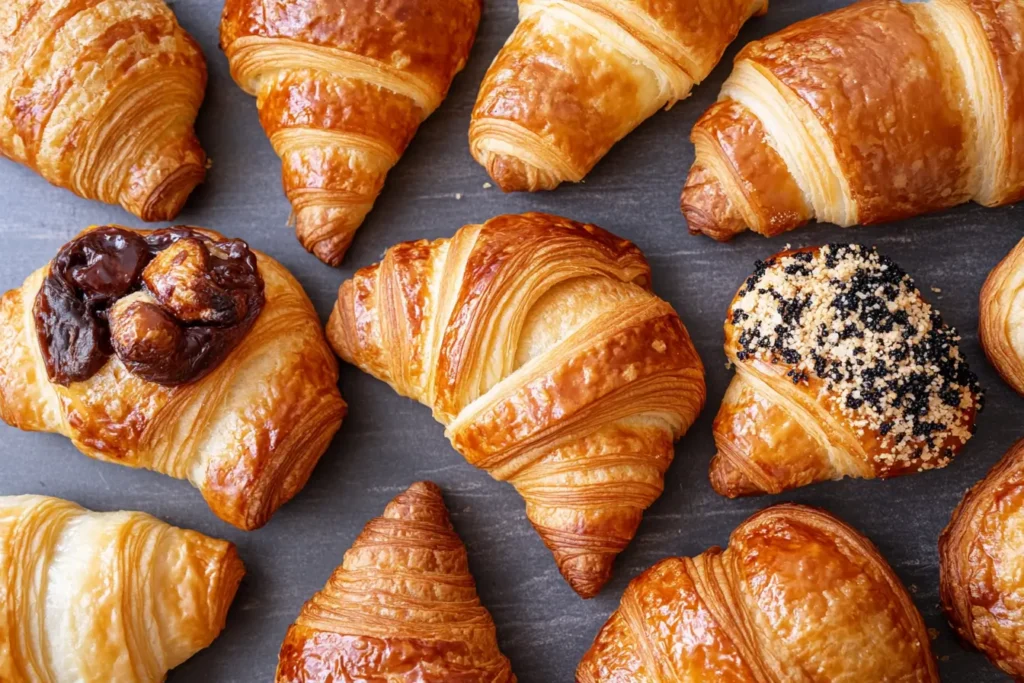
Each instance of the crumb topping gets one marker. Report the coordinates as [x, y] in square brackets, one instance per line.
[853, 319]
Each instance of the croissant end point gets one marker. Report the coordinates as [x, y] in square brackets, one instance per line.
[707, 207]
[165, 201]
[728, 480]
[512, 174]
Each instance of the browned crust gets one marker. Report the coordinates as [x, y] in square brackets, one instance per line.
[995, 304]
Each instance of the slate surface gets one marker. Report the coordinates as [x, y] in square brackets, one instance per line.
[387, 442]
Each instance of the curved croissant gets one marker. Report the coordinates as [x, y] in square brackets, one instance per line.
[341, 89]
[401, 608]
[879, 111]
[797, 596]
[95, 597]
[247, 433]
[100, 98]
[842, 370]
[577, 76]
[1001, 327]
[538, 344]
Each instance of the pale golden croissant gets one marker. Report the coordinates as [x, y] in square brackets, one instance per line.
[341, 89]
[981, 584]
[842, 370]
[539, 345]
[1001, 327]
[402, 608]
[797, 596]
[878, 111]
[105, 597]
[577, 76]
[100, 98]
[179, 351]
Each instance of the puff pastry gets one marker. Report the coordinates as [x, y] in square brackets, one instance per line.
[842, 370]
[401, 608]
[1001, 327]
[178, 351]
[980, 557]
[878, 111]
[538, 344]
[797, 596]
[100, 98]
[577, 76]
[105, 597]
[341, 89]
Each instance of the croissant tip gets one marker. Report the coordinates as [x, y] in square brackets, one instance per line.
[513, 174]
[166, 200]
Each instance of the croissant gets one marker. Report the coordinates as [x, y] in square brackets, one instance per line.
[878, 111]
[341, 89]
[842, 370]
[797, 596]
[538, 344]
[100, 98]
[104, 597]
[577, 76]
[179, 351]
[401, 608]
[1001, 327]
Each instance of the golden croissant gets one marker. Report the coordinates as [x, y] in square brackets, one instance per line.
[538, 344]
[105, 597]
[401, 608]
[577, 76]
[1001, 327]
[797, 596]
[842, 370]
[180, 351]
[878, 111]
[341, 89]
[100, 98]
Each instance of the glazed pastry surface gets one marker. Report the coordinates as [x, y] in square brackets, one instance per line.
[247, 433]
[105, 597]
[99, 98]
[402, 607]
[882, 110]
[797, 597]
[576, 76]
[341, 89]
[842, 370]
[537, 342]
[1001, 327]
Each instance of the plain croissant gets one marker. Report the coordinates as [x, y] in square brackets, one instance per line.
[105, 597]
[1001, 325]
[401, 608]
[539, 345]
[842, 370]
[577, 76]
[341, 89]
[208, 364]
[797, 596]
[879, 111]
[100, 98]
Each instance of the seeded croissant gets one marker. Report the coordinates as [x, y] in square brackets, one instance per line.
[1001, 327]
[538, 344]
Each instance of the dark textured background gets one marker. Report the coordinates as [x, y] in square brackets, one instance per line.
[387, 442]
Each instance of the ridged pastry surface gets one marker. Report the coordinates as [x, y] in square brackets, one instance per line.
[1001, 324]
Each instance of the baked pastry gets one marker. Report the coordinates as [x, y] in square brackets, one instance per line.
[797, 596]
[979, 555]
[1001, 327]
[401, 608]
[878, 111]
[100, 98]
[179, 351]
[537, 342]
[842, 370]
[102, 597]
[577, 76]
[341, 89]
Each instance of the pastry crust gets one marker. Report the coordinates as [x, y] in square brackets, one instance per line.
[538, 344]
[247, 434]
[341, 94]
[82, 593]
[1001, 326]
[99, 98]
[401, 608]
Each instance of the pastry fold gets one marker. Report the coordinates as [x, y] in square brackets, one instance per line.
[1001, 324]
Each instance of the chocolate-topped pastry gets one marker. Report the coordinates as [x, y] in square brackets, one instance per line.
[843, 369]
